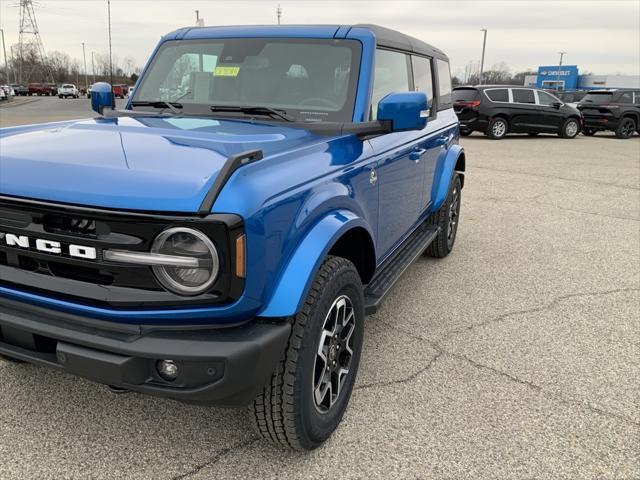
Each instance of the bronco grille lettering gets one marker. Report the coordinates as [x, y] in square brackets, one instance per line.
[47, 246]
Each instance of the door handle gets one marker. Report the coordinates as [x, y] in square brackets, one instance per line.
[442, 140]
[416, 154]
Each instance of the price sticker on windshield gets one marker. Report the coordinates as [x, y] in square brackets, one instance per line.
[226, 71]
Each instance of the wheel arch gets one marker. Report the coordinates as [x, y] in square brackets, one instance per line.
[453, 161]
[333, 234]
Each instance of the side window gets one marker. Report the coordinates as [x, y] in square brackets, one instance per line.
[444, 85]
[422, 78]
[636, 97]
[523, 95]
[391, 75]
[546, 99]
[498, 95]
[626, 97]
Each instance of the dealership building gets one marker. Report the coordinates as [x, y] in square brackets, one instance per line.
[568, 77]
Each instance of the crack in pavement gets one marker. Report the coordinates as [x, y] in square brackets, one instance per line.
[567, 179]
[548, 306]
[537, 201]
[219, 456]
[411, 377]
[508, 376]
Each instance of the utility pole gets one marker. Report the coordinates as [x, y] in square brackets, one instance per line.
[279, 13]
[559, 68]
[199, 21]
[93, 68]
[86, 78]
[13, 62]
[110, 55]
[6, 64]
[484, 45]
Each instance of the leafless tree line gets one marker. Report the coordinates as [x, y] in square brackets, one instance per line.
[60, 67]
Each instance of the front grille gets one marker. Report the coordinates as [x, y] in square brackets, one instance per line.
[70, 225]
[96, 281]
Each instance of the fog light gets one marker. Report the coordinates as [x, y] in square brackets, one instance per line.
[167, 369]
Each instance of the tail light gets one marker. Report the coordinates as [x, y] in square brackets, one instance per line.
[471, 104]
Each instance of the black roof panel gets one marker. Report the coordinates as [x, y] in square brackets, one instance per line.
[394, 39]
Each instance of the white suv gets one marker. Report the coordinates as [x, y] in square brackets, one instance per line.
[68, 90]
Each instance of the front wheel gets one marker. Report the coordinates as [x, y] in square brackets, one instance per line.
[626, 128]
[447, 218]
[309, 392]
[570, 128]
[589, 132]
[498, 128]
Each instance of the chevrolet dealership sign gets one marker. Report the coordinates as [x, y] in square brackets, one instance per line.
[566, 77]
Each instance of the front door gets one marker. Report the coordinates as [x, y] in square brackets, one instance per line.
[549, 116]
[401, 158]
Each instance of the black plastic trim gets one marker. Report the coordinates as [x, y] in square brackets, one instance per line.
[232, 164]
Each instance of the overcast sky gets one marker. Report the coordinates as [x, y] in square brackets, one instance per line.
[599, 36]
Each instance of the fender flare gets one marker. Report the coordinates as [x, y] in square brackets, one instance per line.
[443, 174]
[294, 282]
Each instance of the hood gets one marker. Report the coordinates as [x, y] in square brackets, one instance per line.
[132, 163]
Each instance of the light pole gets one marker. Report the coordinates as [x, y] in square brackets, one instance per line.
[86, 78]
[110, 56]
[484, 45]
[559, 68]
[279, 13]
[6, 64]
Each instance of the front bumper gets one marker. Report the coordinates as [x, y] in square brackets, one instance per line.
[224, 367]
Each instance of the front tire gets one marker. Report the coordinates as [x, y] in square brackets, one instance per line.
[589, 132]
[626, 127]
[447, 218]
[309, 392]
[498, 128]
[570, 128]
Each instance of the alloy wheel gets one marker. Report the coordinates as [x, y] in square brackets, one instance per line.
[334, 354]
[571, 130]
[499, 128]
[454, 211]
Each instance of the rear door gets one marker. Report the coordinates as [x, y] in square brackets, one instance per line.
[524, 111]
[549, 117]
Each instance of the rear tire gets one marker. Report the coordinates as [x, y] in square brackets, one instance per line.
[570, 128]
[287, 411]
[447, 218]
[498, 128]
[626, 128]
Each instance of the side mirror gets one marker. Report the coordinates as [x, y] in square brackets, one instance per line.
[556, 105]
[406, 110]
[102, 97]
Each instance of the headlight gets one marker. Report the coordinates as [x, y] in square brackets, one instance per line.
[186, 242]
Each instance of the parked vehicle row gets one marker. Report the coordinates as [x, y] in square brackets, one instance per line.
[497, 110]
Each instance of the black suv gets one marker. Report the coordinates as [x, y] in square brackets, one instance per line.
[615, 110]
[497, 110]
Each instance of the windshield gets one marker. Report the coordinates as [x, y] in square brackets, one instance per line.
[308, 79]
[597, 97]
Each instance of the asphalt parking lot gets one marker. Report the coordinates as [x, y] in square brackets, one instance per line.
[516, 357]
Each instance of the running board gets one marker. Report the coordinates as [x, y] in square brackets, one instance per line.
[386, 278]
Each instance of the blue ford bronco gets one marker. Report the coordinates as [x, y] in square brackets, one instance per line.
[222, 238]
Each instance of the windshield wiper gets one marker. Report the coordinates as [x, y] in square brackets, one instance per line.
[273, 112]
[173, 106]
